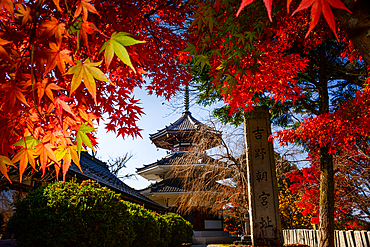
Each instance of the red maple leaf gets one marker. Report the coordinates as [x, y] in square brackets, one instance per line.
[318, 6]
[323, 6]
[268, 4]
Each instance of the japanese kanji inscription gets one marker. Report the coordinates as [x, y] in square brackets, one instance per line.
[263, 198]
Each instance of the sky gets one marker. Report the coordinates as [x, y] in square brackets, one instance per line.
[157, 116]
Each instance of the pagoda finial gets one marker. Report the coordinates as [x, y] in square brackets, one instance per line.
[186, 99]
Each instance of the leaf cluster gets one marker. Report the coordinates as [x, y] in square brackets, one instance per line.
[64, 65]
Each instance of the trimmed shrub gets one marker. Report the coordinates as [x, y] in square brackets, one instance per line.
[71, 214]
[86, 214]
[181, 231]
[145, 226]
[164, 231]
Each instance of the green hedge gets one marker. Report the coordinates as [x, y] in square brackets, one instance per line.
[164, 231]
[86, 214]
[145, 226]
[180, 230]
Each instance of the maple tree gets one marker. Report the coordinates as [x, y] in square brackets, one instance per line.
[287, 66]
[350, 201]
[354, 19]
[67, 64]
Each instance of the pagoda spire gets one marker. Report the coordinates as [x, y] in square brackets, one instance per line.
[186, 99]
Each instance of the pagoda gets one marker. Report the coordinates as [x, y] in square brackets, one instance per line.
[178, 139]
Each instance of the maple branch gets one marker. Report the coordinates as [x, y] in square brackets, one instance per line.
[68, 9]
[293, 116]
[309, 78]
[357, 25]
[160, 7]
[362, 152]
[4, 26]
[32, 43]
[151, 32]
[309, 106]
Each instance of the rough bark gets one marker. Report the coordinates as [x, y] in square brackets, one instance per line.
[326, 219]
[357, 25]
[326, 228]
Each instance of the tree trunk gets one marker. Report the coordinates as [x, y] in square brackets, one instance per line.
[326, 229]
[357, 25]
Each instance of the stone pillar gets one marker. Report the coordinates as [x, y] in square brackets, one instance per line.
[262, 183]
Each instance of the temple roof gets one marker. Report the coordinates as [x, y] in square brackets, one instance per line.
[163, 187]
[97, 170]
[180, 158]
[157, 171]
[181, 132]
[92, 168]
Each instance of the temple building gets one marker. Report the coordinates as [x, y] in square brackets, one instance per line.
[178, 139]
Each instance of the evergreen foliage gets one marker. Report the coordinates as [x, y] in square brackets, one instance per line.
[86, 214]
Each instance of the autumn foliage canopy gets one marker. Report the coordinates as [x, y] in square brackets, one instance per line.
[66, 64]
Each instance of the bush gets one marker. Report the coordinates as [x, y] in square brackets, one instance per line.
[86, 214]
[181, 231]
[145, 226]
[71, 214]
[164, 231]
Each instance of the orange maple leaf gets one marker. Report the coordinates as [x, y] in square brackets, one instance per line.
[24, 156]
[54, 138]
[3, 52]
[24, 13]
[84, 6]
[4, 163]
[56, 2]
[49, 137]
[12, 93]
[8, 4]
[49, 87]
[45, 152]
[53, 27]
[61, 105]
[57, 169]
[323, 6]
[45, 88]
[86, 28]
[57, 57]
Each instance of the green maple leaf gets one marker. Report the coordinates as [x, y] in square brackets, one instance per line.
[67, 154]
[116, 45]
[202, 60]
[88, 72]
[27, 142]
[81, 137]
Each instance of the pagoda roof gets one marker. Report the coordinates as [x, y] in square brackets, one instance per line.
[179, 158]
[157, 171]
[166, 186]
[180, 132]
